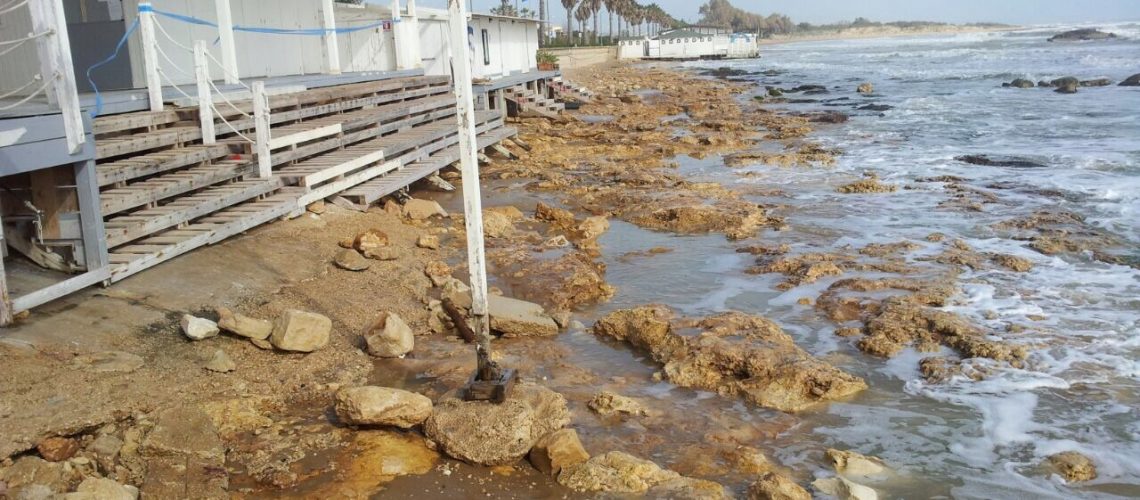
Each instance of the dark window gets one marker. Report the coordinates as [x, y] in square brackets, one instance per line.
[486, 48]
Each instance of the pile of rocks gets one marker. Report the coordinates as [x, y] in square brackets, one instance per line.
[293, 331]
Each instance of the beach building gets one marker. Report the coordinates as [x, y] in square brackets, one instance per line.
[133, 132]
[695, 42]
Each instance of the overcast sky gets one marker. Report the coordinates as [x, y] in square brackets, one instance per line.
[956, 11]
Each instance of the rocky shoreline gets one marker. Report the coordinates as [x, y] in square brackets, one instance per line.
[341, 380]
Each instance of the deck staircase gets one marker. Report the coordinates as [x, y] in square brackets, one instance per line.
[565, 90]
[163, 193]
[528, 102]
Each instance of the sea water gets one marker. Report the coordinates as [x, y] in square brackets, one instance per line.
[1080, 389]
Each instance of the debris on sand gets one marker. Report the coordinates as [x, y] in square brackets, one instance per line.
[242, 325]
[196, 328]
[734, 354]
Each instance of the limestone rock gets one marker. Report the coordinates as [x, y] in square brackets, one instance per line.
[370, 240]
[106, 450]
[351, 260]
[776, 486]
[198, 328]
[556, 451]
[57, 449]
[94, 488]
[497, 225]
[1022, 83]
[845, 489]
[851, 463]
[184, 431]
[371, 405]
[1072, 466]
[389, 337]
[517, 318]
[242, 325]
[109, 361]
[687, 488]
[31, 475]
[417, 209]
[300, 331]
[866, 88]
[221, 363]
[512, 213]
[615, 472]
[593, 227]
[262, 343]
[382, 254]
[557, 217]
[607, 403]
[428, 241]
[735, 355]
[485, 433]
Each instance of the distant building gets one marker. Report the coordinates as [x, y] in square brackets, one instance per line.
[692, 42]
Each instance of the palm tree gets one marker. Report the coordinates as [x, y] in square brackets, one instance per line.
[611, 6]
[582, 14]
[569, 4]
[594, 6]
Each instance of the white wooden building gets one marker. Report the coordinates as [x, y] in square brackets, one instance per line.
[683, 44]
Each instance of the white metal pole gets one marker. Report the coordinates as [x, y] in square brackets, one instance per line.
[205, 100]
[226, 37]
[469, 163]
[400, 37]
[332, 50]
[261, 129]
[150, 56]
[55, 65]
[412, 21]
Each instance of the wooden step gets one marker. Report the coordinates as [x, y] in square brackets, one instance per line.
[149, 252]
[135, 225]
[370, 191]
[119, 146]
[154, 189]
[107, 124]
[305, 131]
[160, 161]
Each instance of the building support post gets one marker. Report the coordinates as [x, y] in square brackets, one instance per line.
[472, 202]
[412, 31]
[5, 300]
[401, 38]
[226, 37]
[150, 56]
[55, 66]
[205, 100]
[261, 129]
[332, 50]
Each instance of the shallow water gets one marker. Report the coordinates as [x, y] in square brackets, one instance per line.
[963, 439]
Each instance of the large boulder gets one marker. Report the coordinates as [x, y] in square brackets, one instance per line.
[556, 451]
[94, 488]
[733, 354]
[370, 405]
[242, 325]
[518, 318]
[1082, 35]
[1022, 83]
[485, 433]
[1132, 81]
[389, 337]
[417, 209]
[776, 486]
[300, 331]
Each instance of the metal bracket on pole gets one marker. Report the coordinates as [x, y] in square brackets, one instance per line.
[261, 129]
[150, 56]
[332, 50]
[490, 382]
[205, 100]
[226, 37]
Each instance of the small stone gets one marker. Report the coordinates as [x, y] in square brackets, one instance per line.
[606, 403]
[382, 254]
[57, 449]
[416, 209]
[370, 240]
[351, 260]
[1070, 465]
[518, 318]
[558, 241]
[317, 207]
[370, 405]
[557, 450]
[300, 331]
[593, 227]
[389, 337]
[438, 271]
[262, 343]
[776, 486]
[221, 363]
[561, 318]
[428, 241]
[242, 325]
[866, 88]
[854, 464]
[845, 489]
[198, 328]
